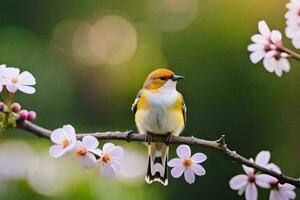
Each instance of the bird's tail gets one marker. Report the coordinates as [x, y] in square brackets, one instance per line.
[157, 163]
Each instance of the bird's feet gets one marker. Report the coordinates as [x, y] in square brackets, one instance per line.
[127, 135]
[168, 139]
[148, 138]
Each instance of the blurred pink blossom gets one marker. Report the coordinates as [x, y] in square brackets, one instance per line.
[110, 159]
[267, 47]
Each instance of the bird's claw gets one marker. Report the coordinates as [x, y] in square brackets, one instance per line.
[148, 138]
[168, 139]
[127, 135]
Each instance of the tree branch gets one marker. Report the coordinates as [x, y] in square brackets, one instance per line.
[218, 145]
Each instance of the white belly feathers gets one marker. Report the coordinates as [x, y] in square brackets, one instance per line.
[160, 119]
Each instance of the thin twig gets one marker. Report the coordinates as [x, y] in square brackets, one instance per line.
[290, 52]
[218, 145]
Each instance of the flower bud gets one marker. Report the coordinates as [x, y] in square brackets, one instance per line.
[31, 115]
[23, 115]
[16, 107]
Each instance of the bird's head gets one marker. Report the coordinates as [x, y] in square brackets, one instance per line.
[161, 78]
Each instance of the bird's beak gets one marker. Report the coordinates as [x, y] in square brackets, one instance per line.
[177, 77]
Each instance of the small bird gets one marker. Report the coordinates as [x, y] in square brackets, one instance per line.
[159, 109]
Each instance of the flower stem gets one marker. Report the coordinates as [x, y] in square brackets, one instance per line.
[7, 112]
[293, 54]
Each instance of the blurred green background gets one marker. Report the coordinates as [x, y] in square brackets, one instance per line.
[91, 57]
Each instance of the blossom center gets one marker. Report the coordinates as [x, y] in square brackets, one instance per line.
[81, 151]
[274, 185]
[251, 178]
[105, 158]
[14, 80]
[187, 162]
[65, 142]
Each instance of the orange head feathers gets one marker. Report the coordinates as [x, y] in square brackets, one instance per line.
[157, 78]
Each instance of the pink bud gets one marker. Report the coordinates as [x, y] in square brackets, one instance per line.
[16, 107]
[23, 115]
[31, 115]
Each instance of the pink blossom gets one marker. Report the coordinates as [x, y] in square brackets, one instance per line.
[110, 159]
[64, 139]
[247, 183]
[187, 164]
[267, 47]
[282, 191]
[14, 80]
[292, 21]
[85, 149]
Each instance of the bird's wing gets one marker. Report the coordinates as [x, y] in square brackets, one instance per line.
[183, 108]
[137, 98]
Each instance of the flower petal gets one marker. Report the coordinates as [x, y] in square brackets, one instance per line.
[107, 147]
[177, 171]
[273, 167]
[270, 64]
[274, 195]
[296, 42]
[284, 64]
[26, 89]
[264, 180]
[251, 192]
[238, 182]
[259, 39]
[26, 78]
[107, 171]
[56, 151]
[97, 152]
[263, 158]
[257, 56]
[183, 151]
[248, 170]
[198, 169]
[12, 72]
[276, 37]
[12, 88]
[289, 194]
[70, 132]
[115, 165]
[117, 152]
[189, 175]
[286, 186]
[264, 29]
[88, 161]
[199, 157]
[278, 71]
[255, 47]
[90, 142]
[175, 162]
[57, 136]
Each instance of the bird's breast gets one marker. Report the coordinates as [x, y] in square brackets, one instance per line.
[160, 113]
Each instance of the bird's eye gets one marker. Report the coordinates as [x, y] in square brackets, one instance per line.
[163, 78]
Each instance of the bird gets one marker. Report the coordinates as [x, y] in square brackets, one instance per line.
[159, 109]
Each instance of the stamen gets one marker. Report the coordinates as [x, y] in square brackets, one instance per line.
[105, 158]
[187, 162]
[14, 80]
[81, 152]
[65, 142]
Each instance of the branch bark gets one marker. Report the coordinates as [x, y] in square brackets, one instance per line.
[219, 145]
